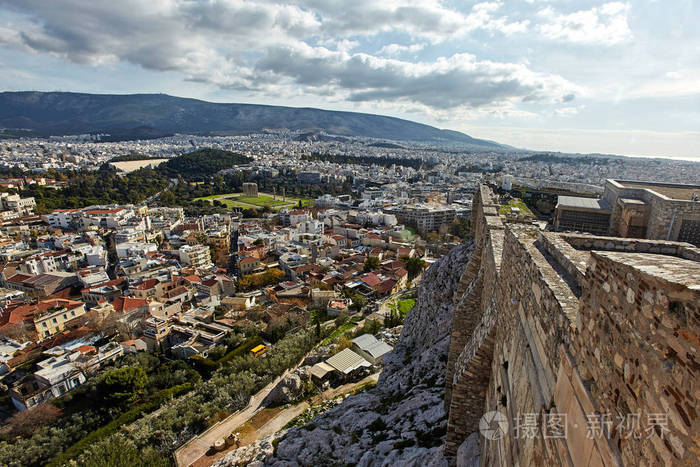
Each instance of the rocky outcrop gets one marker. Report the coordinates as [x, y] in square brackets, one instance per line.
[402, 420]
[289, 389]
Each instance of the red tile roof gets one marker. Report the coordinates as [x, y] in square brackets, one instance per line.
[370, 279]
[147, 284]
[386, 286]
[128, 304]
[192, 278]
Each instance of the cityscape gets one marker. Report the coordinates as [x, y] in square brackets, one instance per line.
[307, 261]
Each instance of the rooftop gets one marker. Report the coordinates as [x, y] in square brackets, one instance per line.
[346, 361]
[670, 190]
[576, 202]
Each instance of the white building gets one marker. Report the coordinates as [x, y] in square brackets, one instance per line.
[132, 249]
[63, 218]
[197, 256]
[22, 206]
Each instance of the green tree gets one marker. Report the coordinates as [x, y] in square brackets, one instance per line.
[371, 263]
[358, 301]
[414, 266]
[123, 384]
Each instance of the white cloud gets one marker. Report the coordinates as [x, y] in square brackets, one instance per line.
[606, 24]
[397, 49]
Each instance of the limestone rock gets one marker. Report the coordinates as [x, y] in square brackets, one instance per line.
[288, 390]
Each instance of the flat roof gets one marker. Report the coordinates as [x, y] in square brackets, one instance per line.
[576, 202]
[320, 370]
[372, 345]
[670, 190]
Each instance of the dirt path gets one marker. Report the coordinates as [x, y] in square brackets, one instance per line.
[199, 445]
[269, 421]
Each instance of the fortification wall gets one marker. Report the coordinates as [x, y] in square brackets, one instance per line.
[591, 356]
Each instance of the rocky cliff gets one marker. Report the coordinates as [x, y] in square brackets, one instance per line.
[402, 420]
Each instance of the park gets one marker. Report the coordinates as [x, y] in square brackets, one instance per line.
[242, 201]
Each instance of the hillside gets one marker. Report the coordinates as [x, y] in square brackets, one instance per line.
[152, 115]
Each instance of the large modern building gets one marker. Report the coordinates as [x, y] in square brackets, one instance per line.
[632, 209]
[427, 218]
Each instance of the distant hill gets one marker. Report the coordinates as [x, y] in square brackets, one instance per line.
[152, 115]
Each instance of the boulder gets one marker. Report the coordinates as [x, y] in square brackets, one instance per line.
[288, 390]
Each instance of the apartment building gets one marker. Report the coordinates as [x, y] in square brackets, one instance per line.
[427, 218]
[22, 206]
[197, 256]
[51, 316]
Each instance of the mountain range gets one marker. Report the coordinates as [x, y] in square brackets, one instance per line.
[134, 116]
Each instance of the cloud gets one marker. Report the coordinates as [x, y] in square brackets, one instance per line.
[446, 83]
[259, 46]
[397, 49]
[426, 19]
[606, 24]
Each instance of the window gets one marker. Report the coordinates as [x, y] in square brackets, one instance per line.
[54, 321]
[43, 324]
[72, 312]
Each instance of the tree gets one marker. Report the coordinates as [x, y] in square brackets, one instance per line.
[26, 422]
[343, 343]
[358, 301]
[414, 266]
[123, 384]
[371, 263]
[460, 227]
[341, 319]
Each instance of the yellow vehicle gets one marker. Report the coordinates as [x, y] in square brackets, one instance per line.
[259, 350]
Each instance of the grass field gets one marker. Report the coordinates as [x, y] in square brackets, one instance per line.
[515, 203]
[404, 306]
[239, 200]
[261, 200]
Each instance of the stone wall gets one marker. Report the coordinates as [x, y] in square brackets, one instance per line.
[563, 337]
[638, 353]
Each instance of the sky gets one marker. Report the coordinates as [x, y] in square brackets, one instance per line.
[573, 76]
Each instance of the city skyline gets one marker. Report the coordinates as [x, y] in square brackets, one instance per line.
[607, 77]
